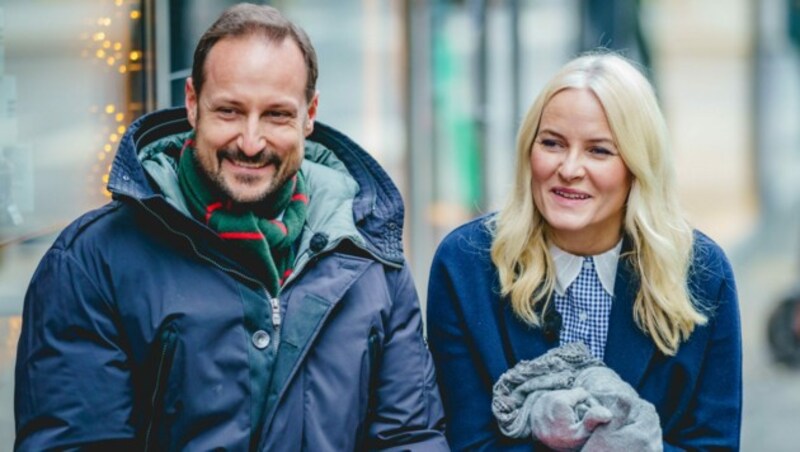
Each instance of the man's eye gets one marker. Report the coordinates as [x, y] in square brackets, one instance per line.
[226, 111]
[277, 114]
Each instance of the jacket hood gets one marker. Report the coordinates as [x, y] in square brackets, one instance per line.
[352, 196]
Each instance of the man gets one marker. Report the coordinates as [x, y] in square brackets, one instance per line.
[234, 295]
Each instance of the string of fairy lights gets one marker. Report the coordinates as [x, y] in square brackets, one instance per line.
[108, 46]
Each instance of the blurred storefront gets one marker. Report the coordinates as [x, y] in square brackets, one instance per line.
[71, 80]
[433, 89]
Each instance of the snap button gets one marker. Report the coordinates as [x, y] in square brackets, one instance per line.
[125, 177]
[261, 339]
[587, 264]
[583, 316]
[318, 242]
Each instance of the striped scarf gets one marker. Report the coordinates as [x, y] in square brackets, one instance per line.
[268, 233]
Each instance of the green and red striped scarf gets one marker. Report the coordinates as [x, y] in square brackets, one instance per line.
[269, 232]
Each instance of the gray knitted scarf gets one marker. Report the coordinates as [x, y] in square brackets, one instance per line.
[570, 401]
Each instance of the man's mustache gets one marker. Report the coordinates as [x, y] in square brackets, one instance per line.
[262, 158]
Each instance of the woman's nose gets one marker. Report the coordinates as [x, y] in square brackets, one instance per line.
[572, 166]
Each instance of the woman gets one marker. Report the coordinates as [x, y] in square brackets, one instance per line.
[591, 247]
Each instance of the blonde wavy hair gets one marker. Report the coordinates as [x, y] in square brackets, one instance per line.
[661, 237]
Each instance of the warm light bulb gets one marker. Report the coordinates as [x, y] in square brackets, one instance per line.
[135, 15]
[123, 69]
[120, 116]
[110, 108]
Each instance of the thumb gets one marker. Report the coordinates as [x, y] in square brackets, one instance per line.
[596, 415]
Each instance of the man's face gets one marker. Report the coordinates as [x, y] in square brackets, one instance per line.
[252, 117]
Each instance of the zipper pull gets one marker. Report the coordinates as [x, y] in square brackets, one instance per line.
[276, 312]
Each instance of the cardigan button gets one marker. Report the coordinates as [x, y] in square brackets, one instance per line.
[261, 339]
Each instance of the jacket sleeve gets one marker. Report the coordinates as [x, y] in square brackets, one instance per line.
[465, 384]
[713, 419]
[72, 381]
[408, 412]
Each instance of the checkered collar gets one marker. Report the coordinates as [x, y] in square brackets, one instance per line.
[568, 266]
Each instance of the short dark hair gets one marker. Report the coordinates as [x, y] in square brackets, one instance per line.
[244, 19]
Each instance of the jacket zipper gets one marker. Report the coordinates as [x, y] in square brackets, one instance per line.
[275, 303]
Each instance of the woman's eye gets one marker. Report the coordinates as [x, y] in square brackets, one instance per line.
[600, 151]
[548, 143]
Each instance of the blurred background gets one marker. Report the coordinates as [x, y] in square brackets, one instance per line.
[434, 90]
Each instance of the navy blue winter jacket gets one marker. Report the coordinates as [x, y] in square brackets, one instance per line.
[143, 330]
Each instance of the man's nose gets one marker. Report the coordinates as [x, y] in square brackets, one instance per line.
[251, 138]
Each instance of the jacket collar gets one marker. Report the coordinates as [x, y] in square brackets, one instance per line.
[628, 349]
[377, 207]
[568, 266]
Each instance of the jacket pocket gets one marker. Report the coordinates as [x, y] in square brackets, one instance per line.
[374, 357]
[162, 355]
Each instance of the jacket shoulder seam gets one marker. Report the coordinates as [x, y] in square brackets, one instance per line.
[76, 230]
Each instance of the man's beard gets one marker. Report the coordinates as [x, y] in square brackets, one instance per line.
[263, 158]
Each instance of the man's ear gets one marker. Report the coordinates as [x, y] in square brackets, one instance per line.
[191, 102]
[312, 114]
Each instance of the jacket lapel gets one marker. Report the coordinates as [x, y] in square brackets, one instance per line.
[628, 349]
[522, 341]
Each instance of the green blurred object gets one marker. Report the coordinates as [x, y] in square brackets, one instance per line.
[456, 141]
[794, 21]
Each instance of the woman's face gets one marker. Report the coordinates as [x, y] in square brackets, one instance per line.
[579, 181]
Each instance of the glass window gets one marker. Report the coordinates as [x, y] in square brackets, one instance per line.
[71, 80]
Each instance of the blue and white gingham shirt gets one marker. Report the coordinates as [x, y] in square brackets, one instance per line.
[583, 295]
